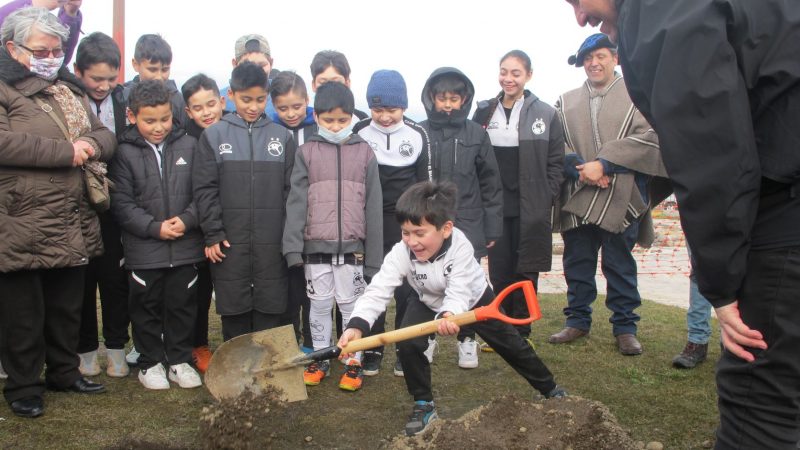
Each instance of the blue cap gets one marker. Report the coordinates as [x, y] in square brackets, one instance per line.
[387, 89]
[592, 43]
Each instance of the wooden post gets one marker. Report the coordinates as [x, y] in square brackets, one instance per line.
[119, 35]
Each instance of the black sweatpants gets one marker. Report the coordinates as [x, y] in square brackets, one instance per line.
[40, 313]
[163, 301]
[249, 322]
[205, 288]
[503, 260]
[297, 306]
[759, 402]
[108, 273]
[502, 337]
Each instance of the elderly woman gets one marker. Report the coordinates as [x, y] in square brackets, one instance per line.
[48, 230]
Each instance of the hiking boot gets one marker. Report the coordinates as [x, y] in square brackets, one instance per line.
[556, 392]
[353, 376]
[89, 366]
[398, 368]
[433, 347]
[117, 366]
[3, 374]
[568, 334]
[185, 376]
[628, 344]
[692, 355]
[154, 377]
[201, 357]
[315, 372]
[372, 362]
[468, 354]
[132, 358]
[422, 414]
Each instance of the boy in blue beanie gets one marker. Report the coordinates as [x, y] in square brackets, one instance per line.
[398, 143]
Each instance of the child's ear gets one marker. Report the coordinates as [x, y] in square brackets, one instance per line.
[186, 108]
[131, 116]
[135, 65]
[223, 100]
[234, 63]
[230, 93]
[447, 229]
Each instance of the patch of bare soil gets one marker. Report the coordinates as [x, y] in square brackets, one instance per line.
[246, 422]
[513, 423]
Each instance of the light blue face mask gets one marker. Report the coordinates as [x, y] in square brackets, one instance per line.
[338, 137]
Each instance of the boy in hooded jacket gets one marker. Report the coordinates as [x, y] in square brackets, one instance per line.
[462, 153]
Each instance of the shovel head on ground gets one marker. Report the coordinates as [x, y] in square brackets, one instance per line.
[246, 363]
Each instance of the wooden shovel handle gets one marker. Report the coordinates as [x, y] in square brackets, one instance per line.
[490, 311]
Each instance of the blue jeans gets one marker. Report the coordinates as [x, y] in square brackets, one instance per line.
[581, 247]
[698, 318]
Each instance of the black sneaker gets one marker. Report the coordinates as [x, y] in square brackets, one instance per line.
[692, 355]
[398, 368]
[372, 362]
[556, 392]
[422, 414]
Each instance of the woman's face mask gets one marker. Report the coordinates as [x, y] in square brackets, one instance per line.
[46, 68]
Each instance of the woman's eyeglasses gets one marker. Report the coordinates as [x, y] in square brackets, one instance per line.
[44, 53]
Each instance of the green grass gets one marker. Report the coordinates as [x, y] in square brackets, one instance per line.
[651, 399]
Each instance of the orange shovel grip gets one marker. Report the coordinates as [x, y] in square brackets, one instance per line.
[492, 310]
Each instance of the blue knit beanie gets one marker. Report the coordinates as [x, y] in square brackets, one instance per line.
[387, 89]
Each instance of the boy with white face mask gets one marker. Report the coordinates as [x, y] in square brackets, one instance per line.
[334, 222]
[403, 153]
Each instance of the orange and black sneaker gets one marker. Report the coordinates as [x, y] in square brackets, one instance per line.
[201, 357]
[353, 376]
[315, 372]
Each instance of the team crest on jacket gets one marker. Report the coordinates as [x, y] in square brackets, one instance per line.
[225, 148]
[274, 147]
[448, 269]
[493, 125]
[406, 149]
[374, 146]
[538, 126]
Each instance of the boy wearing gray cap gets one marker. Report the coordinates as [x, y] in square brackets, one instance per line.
[255, 49]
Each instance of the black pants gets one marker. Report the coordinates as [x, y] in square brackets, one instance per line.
[759, 402]
[163, 301]
[502, 337]
[467, 331]
[249, 322]
[297, 306]
[401, 298]
[40, 313]
[503, 259]
[107, 273]
[205, 289]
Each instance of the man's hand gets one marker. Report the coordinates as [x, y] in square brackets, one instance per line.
[736, 335]
[349, 334]
[167, 233]
[176, 224]
[446, 327]
[214, 252]
[591, 172]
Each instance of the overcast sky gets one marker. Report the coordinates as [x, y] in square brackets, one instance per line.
[412, 36]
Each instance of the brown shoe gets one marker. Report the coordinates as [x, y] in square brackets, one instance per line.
[628, 344]
[568, 334]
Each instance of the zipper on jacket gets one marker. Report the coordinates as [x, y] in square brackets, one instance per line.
[164, 193]
[455, 154]
[252, 206]
[388, 141]
[339, 197]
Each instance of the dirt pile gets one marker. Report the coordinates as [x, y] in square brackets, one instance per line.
[514, 423]
[245, 422]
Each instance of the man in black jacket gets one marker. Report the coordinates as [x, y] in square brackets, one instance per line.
[720, 82]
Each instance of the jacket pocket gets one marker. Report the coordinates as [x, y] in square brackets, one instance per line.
[10, 193]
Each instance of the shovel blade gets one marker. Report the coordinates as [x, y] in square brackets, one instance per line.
[246, 363]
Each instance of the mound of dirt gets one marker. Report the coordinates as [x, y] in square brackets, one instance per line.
[514, 423]
[240, 423]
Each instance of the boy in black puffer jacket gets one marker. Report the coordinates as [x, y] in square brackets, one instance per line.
[152, 202]
[462, 153]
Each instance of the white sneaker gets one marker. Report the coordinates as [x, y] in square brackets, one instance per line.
[132, 358]
[117, 366]
[3, 374]
[154, 377]
[433, 347]
[185, 376]
[468, 354]
[89, 366]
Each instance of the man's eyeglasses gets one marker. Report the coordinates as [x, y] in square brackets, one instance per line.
[44, 53]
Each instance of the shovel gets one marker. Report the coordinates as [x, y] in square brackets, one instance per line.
[272, 358]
